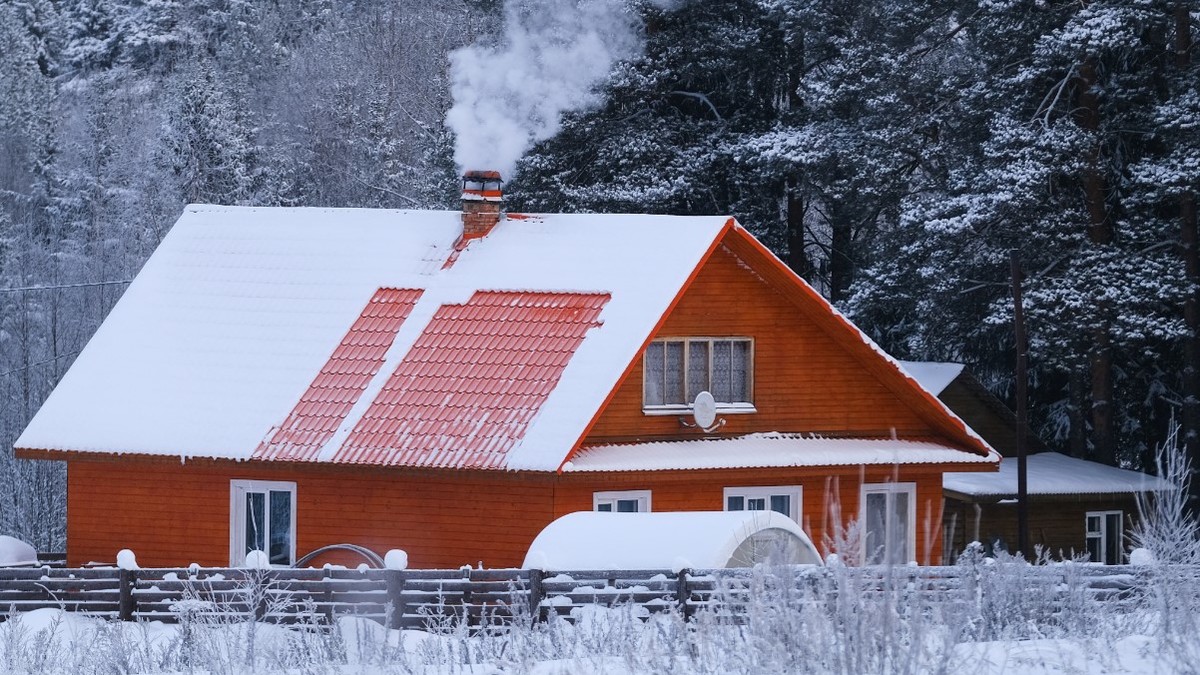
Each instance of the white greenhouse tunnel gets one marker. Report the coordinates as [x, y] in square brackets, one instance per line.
[674, 540]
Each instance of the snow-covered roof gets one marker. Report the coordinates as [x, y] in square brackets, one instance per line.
[934, 376]
[224, 330]
[380, 337]
[770, 449]
[1052, 473]
[669, 540]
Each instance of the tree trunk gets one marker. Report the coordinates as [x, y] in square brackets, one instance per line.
[797, 256]
[1191, 262]
[1077, 398]
[841, 268]
[1100, 233]
[1104, 447]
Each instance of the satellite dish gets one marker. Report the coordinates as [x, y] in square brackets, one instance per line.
[704, 410]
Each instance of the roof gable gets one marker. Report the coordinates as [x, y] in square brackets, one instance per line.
[877, 379]
[873, 358]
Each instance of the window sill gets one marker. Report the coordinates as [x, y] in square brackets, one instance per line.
[722, 409]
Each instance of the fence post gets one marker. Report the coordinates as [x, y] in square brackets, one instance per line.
[326, 576]
[536, 593]
[262, 582]
[126, 581]
[395, 596]
[466, 596]
[683, 593]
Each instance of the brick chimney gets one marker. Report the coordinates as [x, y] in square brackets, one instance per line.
[481, 201]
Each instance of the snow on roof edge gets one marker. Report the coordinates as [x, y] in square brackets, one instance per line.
[767, 450]
[1051, 474]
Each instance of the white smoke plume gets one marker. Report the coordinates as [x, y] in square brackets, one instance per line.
[551, 56]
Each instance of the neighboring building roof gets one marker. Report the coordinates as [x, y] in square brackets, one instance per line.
[932, 375]
[767, 450]
[1051, 473]
[958, 388]
[669, 540]
[359, 336]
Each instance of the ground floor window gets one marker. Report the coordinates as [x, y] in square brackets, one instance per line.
[263, 518]
[1104, 531]
[627, 501]
[783, 499]
[887, 514]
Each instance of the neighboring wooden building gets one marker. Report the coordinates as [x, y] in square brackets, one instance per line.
[284, 379]
[1076, 507]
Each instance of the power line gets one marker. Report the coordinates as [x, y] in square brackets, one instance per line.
[90, 284]
[35, 364]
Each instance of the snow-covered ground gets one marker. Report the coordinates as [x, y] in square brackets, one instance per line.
[1006, 625]
[52, 641]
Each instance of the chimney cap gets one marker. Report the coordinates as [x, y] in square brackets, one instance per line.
[482, 176]
[482, 186]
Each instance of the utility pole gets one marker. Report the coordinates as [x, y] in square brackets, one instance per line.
[1021, 383]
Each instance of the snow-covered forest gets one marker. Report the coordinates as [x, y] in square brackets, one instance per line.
[892, 152]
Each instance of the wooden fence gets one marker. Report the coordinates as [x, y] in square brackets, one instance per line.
[417, 598]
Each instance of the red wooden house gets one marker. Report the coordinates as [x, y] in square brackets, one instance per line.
[448, 384]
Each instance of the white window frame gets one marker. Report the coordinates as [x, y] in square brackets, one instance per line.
[726, 407]
[795, 492]
[237, 515]
[1103, 535]
[890, 489]
[612, 496]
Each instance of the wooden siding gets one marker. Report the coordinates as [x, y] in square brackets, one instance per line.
[172, 513]
[1055, 523]
[804, 380]
[998, 430]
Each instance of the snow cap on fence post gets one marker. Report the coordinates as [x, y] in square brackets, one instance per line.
[257, 560]
[126, 581]
[126, 560]
[1141, 557]
[396, 559]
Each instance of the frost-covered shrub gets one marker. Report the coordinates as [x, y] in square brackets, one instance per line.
[832, 619]
[1169, 532]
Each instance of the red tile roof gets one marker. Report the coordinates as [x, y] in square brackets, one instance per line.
[342, 380]
[475, 378]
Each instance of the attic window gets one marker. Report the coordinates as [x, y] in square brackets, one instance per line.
[677, 369]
